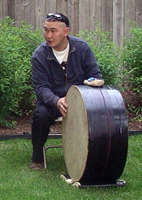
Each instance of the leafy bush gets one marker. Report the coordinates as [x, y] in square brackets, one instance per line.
[132, 58]
[16, 47]
[106, 54]
[132, 64]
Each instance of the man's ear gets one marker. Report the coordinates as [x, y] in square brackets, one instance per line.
[67, 30]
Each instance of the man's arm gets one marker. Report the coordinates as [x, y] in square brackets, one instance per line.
[41, 84]
[94, 76]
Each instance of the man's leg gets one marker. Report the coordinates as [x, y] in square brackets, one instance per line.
[43, 118]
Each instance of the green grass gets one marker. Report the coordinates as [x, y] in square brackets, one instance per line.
[19, 182]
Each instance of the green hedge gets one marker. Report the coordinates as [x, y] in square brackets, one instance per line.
[132, 65]
[16, 47]
[106, 54]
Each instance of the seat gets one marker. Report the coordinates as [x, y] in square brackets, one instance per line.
[45, 148]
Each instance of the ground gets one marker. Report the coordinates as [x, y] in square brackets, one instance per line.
[24, 126]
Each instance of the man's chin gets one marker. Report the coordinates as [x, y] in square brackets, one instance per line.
[50, 44]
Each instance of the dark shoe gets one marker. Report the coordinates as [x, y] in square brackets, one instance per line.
[36, 166]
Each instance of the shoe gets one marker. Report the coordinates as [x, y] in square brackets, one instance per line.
[36, 166]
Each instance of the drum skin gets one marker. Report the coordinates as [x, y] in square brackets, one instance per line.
[95, 134]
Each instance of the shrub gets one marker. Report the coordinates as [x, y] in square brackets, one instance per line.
[16, 47]
[106, 54]
[132, 64]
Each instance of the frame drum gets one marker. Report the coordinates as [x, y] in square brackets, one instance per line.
[95, 134]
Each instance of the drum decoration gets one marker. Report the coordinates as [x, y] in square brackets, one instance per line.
[95, 135]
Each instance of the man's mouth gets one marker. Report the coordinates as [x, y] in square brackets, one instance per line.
[50, 42]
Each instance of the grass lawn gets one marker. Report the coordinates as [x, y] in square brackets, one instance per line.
[19, 182]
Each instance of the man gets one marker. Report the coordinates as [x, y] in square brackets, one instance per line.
[57, 64]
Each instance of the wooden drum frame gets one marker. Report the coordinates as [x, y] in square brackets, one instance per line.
[95, 135]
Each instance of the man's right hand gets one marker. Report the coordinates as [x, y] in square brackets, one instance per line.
[62, 106]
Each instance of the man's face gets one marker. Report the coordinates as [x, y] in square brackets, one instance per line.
[55, 34]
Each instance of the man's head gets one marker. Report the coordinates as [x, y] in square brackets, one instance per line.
[56, 30]
[57, 17]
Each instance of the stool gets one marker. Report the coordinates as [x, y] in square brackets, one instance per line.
[50, 146]
[44, 152]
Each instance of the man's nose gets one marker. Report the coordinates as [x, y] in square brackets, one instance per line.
[49, 35]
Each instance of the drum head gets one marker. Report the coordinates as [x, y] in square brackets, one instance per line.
[75, 135]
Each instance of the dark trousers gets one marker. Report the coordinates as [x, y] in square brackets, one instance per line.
[43, 117]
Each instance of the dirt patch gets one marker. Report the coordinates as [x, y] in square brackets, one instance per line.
[135, 126]
[24, 127]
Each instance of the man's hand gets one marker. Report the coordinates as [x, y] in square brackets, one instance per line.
[62, 106]
[94, 82]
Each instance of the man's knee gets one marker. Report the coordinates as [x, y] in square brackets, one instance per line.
[44, 114]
